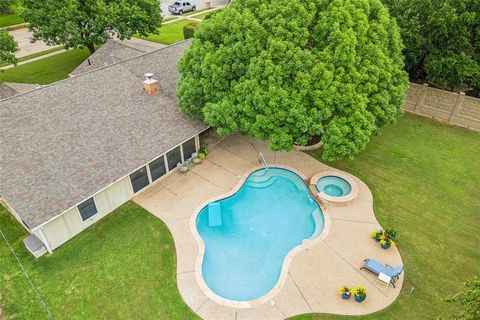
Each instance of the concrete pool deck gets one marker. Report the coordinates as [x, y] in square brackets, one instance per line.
[314, 274]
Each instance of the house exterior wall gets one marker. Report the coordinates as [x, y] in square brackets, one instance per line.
[70, 223]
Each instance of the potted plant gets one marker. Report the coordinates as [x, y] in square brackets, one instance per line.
[360, 293]
[376, 235]
[391, 233]
[202, 153]
[387, 238]
[386, 242]
[344, 292]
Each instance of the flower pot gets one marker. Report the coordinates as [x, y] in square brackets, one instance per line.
[360, 298]
[346, 295]
[377, 238]
[386, 246]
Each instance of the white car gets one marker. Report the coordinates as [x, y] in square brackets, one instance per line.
[179, 7]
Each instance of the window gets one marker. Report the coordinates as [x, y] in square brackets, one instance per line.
[173, 157]
[87, 209]
[157, 168]
[139, 179]
[189, 148]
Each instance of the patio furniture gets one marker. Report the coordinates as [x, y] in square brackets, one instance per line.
[383, 281]
[214, 214]
[182, 167]
[195, 158]
[377, 268]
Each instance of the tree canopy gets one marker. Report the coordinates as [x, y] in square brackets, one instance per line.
[442, 40]
[289, 70]
[469, 299]
[86, 23]
[8, 47]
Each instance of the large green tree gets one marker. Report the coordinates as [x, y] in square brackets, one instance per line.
[469, 299]
[442, 40]
[287, 70]
[86, 23]
[6, 6]
[8, 47]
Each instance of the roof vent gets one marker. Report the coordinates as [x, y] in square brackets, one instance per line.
[150, 85]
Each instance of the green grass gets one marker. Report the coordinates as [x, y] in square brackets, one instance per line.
[195, 12]
[170, 19]
[425, 178]
[34, 55]
[123, 267]
[203, 15]
[168, 33]
[46, 70]
[10, 20]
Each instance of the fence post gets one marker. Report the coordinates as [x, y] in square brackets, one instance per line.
[421, 97]
[458, 105]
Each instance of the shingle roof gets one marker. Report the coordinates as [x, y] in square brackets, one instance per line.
[62, 143]
[111, 52]
[9, 89]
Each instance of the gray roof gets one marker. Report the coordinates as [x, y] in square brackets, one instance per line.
[9, 89]
[111, 52]
[63, 142]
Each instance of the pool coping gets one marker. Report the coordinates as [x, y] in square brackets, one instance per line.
[322, 197]
[305, 245]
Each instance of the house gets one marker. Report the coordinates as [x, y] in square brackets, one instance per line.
[73, 151]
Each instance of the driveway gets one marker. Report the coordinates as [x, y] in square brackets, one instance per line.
[314, 275]
[23, 37]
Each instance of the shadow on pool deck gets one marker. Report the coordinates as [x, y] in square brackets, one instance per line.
[314, 275]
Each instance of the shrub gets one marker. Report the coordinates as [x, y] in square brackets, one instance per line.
[189, 29]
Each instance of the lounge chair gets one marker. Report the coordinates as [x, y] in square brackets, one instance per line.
[377, 268]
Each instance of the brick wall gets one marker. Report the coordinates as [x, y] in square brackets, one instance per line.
[446, 106]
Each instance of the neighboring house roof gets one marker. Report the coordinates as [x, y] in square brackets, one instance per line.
[114, 51]
[62, 143]
[9, 89]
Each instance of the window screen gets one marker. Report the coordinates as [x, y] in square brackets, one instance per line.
[189, 148]
[87, 209]
[139, 179]
[157, 168]
[173, 157]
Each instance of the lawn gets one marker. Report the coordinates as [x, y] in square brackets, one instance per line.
[203, 15]
[10, 20]
[123, 267]
[169, 33]
[35, 55]
[195, 12]
[425, 178]
[46, 70]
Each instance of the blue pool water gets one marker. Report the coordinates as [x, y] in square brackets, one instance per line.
[334, 186]
[270, 215]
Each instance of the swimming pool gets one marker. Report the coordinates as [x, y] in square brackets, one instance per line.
[334, 186]
[248, 235]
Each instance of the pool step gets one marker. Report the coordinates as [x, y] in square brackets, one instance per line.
[214, 214]
[262, 184]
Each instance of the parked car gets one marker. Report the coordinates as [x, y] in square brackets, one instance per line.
[180, 7]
